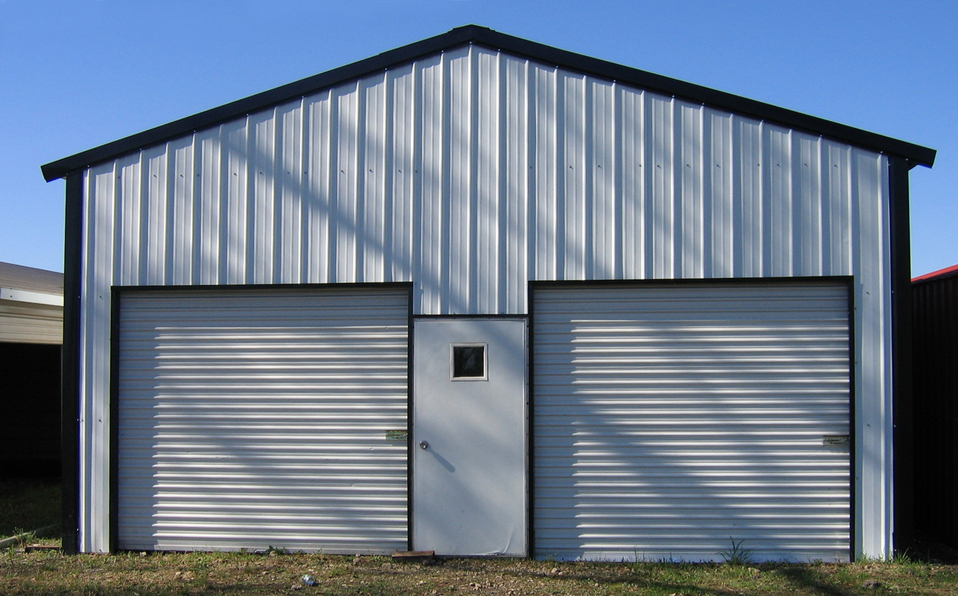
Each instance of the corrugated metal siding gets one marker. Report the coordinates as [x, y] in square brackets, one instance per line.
[31, 305]
[470, 173]
[470, 152]
[251, 419]
[935, 362]
[670, 420]
[30, 323]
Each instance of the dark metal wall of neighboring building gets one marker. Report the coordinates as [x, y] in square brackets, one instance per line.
[29, 409]
[936, 405]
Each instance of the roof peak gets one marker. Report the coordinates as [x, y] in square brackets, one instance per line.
[476, 34]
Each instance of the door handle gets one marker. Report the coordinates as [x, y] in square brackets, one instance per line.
[423, 445]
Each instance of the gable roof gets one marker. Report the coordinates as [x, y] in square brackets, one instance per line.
[472, 34]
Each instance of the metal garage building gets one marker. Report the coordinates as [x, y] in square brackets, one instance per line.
[488, 297]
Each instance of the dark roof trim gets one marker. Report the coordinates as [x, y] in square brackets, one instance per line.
[914, 154]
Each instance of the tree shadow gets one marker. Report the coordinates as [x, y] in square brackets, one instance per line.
[810, 581]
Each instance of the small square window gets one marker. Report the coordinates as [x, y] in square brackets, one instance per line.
[469, 361]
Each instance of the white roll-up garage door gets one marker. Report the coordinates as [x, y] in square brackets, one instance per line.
[673, 419]
[250, 419]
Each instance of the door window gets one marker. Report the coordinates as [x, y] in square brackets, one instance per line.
[469, 362]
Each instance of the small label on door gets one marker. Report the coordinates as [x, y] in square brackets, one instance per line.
[397, 435]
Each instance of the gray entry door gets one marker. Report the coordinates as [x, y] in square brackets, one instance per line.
[469, 409]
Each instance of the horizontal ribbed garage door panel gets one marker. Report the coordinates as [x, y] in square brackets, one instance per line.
[673, 419]
[251, 419]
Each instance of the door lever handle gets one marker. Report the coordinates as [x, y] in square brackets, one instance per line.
[423, 445]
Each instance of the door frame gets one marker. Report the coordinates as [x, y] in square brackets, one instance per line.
[848, 281]
[527, 424]
[117, 293]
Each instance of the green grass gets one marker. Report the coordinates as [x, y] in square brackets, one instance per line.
[46, 573]
[28, 504]
[31, 504]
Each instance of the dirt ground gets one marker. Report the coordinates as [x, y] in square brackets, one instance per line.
[932, 569]
[48, 572]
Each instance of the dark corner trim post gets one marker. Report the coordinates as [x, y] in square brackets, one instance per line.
[410, 419]
[530, 421]
[114, 407]
[70, 366]
[853, 469]
[902, 372]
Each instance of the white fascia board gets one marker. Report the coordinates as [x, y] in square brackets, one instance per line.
[33, 297]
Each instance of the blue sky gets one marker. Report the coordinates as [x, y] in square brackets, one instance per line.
[76, 74]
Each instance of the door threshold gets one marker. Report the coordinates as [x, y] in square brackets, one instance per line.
[414, 555]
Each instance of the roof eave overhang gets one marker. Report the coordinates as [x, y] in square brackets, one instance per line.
[472, 34]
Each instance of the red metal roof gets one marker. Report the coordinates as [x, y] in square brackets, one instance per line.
[953, 270]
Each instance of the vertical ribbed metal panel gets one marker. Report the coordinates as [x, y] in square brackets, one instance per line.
[671, 419]
[29, 322]
[471, 172]
[258, 418]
